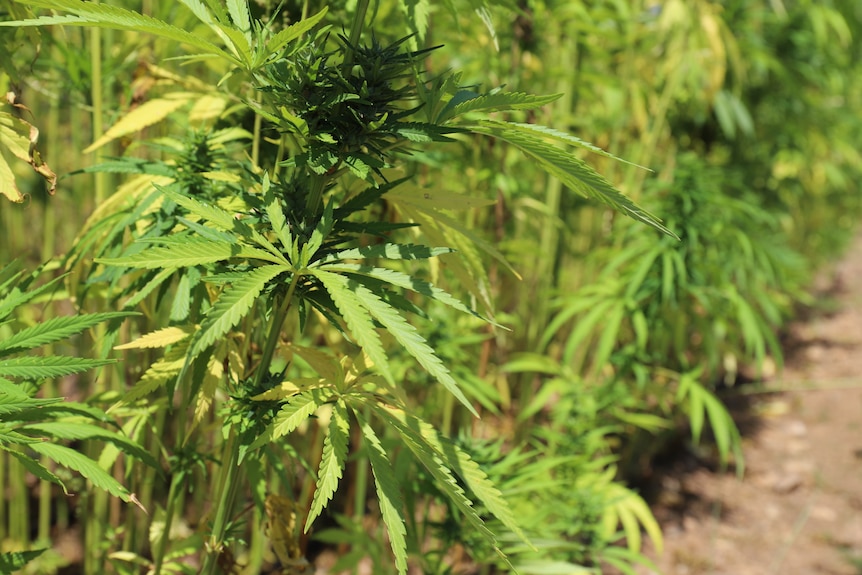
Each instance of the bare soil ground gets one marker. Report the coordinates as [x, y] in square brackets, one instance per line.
[798, 508]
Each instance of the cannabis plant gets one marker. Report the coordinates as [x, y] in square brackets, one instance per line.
[291, 270]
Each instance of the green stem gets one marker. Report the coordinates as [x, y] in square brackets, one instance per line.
[255, 143]
[314, 203]
[228, 485]
[227, 488]
[275, 332]
[356, 31]
[96, 98]
[361, 485]
[177, 480]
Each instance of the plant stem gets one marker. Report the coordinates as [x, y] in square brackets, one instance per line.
[356, 32]
[227, 488]
[228, 484]
[177, 480]
[96, 98]
[314, 202]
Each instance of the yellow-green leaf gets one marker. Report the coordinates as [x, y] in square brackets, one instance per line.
[206, 108]
[19, 138]
[211, 379]
[8, 187]
[145, 115]
[159, 338]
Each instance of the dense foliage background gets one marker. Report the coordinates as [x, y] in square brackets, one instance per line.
[606, 340]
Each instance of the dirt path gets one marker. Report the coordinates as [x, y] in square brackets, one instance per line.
[798, 510]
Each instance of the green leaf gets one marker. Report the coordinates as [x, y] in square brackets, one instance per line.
[14, 403]
[357, 318]
[107, 16]
[418, 16]
[467, 469]
[647, 421]
[572, 171]
[332, 462]
[55, 329]
[16, 560]
[404, 281]
[292, 32]
[566, 138]
[189, 252]
[431, 460]
[493, 102]
[322, 362]
[36, 468]
[388, 494]
[422, 133]
[233, 304]
[629, 509]
[38, 367]
[19, 296]
[607, 341]
[76, 431]
[158, 374]
[725, 431]
[38, 412]
[276, 214]
[9, 390]
[586, 327]
[434, 199]
[8, 186]
[70, 458]
[623, 559]
[297, 409]
[465, 241]
[238, 10]
[236, 41]
[320, 233]
[365, 198]
[389, 251]
[410, 339]
[702, 404]
[147, 289]
[221, 219]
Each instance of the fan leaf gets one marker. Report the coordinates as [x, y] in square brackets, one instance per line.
[493, 102]
[159, 338]
[55, 329]
[431, 460]
[358, 318]
[76, 431]
[332, 462]
[39, 367]
[572, 171]
[189, 252]
[107, 16]
[410, 339]
[232, 306]
[389, 251]
[72, 459]
[402, 280]
[388, 494]
[147, 114]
